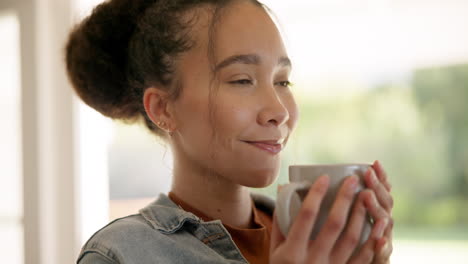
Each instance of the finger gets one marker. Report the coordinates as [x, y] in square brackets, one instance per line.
[349, 240]
[383, 196]
[384, 247]
[301, 228]
[389, 230]
[383, 251]
[338, 215]
[373, 207]
[279, 187]
[382, 175]
[276, 236]
[367, 252]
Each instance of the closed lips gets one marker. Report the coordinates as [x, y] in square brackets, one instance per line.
[272, 146]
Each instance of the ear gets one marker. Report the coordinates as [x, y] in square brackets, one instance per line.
[158, 108]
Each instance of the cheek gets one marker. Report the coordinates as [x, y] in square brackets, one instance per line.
[293, 111]
[232, 117]
[192, 114]
[193, 124]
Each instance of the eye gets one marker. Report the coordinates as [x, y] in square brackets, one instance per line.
[285, 83]
[242, 82]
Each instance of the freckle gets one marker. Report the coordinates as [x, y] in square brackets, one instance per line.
[218, 210]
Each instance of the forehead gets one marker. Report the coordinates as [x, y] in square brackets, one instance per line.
[241, 27]
[246, 28]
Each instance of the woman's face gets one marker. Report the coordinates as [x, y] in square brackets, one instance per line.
[235, 121]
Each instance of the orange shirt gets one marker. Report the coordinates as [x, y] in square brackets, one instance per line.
[254, 243]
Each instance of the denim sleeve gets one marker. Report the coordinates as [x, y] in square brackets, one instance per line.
[95, 258]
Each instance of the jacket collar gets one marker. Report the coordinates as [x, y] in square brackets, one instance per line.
[164, 215]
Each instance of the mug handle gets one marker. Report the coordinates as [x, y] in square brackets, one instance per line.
[288, 204]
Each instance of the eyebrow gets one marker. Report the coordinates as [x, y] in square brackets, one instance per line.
[248, 59]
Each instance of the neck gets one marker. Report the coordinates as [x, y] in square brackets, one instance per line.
[214, 195]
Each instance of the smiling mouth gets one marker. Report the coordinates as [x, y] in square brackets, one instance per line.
[272, 147]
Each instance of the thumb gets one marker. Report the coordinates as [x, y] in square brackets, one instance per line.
[276, 236]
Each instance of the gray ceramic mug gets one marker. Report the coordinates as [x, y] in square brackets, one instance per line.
[301, 177]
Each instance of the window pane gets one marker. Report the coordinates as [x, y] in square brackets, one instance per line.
[140, 167]
[11, 209]
[11, 242]
[388, 80]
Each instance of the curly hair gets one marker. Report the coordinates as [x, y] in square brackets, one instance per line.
[126, 46]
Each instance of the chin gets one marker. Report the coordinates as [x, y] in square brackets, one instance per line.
[260, 178]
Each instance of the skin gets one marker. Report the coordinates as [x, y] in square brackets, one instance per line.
[330, 246]
[250, 102]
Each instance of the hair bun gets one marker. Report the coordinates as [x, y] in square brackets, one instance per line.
[96, 57]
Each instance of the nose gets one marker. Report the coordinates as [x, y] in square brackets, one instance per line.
[273, 111]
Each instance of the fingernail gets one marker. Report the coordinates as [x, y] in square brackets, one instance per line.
[385, 247]
[380, 227]
[373, 178]
[370, 202]
[353, 183]
[278, 188]
[375, 202]
[322, 182]
[374, 164]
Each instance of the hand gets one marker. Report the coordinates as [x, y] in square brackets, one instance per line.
[377, 180]
[337, 240]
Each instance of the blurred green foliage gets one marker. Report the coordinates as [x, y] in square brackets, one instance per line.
[442, 94]
[417, 128]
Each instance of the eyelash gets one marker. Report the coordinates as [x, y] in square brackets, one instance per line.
[285, 83]
[241, 82]
[249, 82]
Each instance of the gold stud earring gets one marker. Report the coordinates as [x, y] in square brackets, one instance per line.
[161, 124]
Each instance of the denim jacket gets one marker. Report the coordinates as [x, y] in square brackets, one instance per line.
[164, 233]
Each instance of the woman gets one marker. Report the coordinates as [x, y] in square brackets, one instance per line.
[211, 78]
